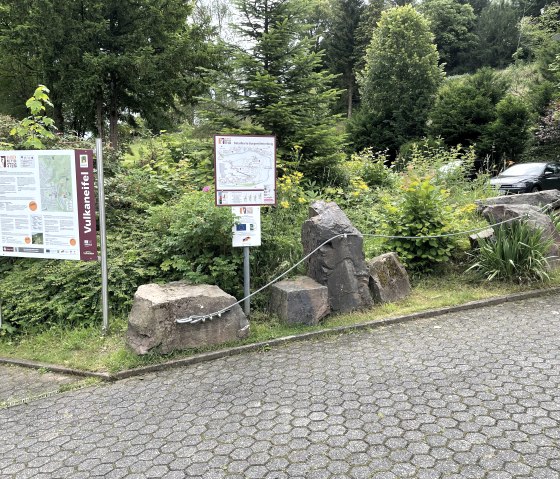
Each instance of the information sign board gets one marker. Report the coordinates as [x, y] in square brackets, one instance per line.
[245, 170]
[247, 228]
[47, 204]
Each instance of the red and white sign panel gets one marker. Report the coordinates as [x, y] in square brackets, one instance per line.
[47, 204]
[245, 170]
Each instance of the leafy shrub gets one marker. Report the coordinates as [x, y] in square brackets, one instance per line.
[516, 253]
[420, 210]
[35, 131]
[373, 168]
[191, 239]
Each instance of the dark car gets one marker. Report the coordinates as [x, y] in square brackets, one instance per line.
[528, 178]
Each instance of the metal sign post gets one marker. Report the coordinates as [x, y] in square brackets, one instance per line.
[103, 235]
[246, 281]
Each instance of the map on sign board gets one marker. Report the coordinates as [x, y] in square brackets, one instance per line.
[47, 204]
[245, 170]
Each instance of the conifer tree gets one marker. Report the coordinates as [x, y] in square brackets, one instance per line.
[342, 48]
[104, 60]
[281, 88]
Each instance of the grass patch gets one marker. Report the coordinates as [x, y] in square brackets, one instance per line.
[87, 349]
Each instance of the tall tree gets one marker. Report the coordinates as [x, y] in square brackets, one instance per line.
[452, 24]
[399, 82]
[498, 35]
[368, 23]
[342, 48]
[105, 60]
[279, 86]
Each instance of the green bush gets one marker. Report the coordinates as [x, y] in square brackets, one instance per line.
[37, 294]
[516, 253]
[420, 210]
[373, 168]
[191, 239]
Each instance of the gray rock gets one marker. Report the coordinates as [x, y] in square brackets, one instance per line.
[484, 234]
[152, 326]
[339, 264]
[299, 300]
[534, 217]
[540, 198]
[388, 280]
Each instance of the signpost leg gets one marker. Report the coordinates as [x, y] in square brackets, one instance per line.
[103, 235]
[246, 281]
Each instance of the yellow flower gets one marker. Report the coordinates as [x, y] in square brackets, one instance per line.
[301, 200]
[284, 204]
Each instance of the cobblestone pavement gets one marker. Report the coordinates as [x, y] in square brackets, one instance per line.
[21, 383]
[466, 395]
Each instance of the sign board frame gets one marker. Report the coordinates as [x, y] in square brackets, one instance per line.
[245, 170]
[47, 204]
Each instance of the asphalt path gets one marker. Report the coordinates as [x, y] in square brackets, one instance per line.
[474, 394]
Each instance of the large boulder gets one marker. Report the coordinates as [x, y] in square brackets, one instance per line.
[152, 326]
[388, 280]
[532, 215]
[339, 264]
[299, 300]
[549, 198]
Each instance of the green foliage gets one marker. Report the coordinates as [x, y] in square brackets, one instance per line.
[399, 82]
[279, 85]
[507, 135]
[421, 209]
[516, 253]
[37, 294]
[452, 23]
[343, 49]
[538, 39]
[191, 239]
[545, 143]
[106, 60]
[465, 107]
[373, 168]
[498, 35]
[33, 131]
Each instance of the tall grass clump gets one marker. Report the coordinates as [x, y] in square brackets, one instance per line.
[517, 253]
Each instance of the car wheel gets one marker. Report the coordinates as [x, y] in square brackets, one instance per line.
[534, 189]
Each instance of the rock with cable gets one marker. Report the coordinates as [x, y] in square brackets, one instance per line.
[210, 316]
[299, 300]
[340, 263]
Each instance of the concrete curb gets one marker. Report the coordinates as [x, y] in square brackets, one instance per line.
[210, 356]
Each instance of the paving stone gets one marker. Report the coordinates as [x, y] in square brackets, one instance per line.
[467, 395]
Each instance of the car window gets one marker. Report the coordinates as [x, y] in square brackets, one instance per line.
[524, 169]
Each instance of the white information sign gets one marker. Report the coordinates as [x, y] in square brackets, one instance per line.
[247, 228]
[47, 204]
[245, 170]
